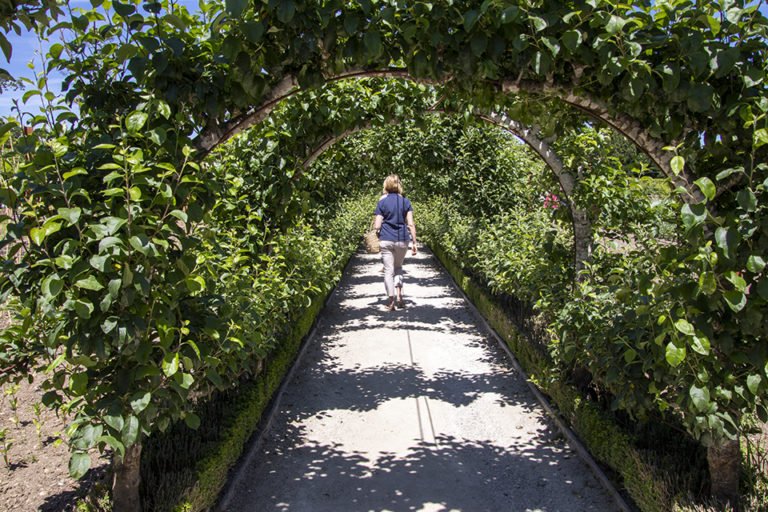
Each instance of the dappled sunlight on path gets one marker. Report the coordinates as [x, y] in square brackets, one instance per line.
[412, 409]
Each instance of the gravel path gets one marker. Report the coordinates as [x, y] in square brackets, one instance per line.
[413, 409]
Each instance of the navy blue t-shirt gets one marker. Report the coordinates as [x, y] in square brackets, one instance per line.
[393, 209]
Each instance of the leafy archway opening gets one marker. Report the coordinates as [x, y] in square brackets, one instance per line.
[109, 276]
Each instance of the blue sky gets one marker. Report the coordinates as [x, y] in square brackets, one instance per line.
[26, 49]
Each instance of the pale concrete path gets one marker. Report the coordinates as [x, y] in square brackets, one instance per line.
[413, 409]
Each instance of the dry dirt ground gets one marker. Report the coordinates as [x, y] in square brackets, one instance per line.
[33, 465]
[36, 476]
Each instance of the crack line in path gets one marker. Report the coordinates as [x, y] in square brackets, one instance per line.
[344, 438]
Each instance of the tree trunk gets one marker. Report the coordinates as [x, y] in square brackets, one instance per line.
[582, 241]
[724, 465]
[125, 485]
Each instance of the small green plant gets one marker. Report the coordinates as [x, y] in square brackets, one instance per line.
[58, 438]
[5, 446]
[13, 400]
[39, 421]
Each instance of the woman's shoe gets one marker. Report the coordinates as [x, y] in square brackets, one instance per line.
[391, 305]
[400, 303]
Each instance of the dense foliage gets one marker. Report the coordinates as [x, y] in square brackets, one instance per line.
[131, 257]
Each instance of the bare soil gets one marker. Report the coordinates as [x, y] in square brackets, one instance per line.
[37, 475]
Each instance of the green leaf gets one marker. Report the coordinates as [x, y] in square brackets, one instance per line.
[747, 199]
[52, 286]
[164, 109]
[350, 23]
[130, 431]
[123, 9]
[700, 97]
[285, 10]
[253, 31]
[677, 164]
[700, 397]
[684, 327]
[552, 44]
[109, 324]
[6, 47]
[37, 235]
[113, 443]
[99, 261]
[135, 193]
[700, 344]
[74, 172]
[186, 379]
[114, 287]
[707, 187]
[760, 137]
[192, 420]
[510, 14]
[707, 283]
[112, 224]
[733, 170]
[755, 263]
[215, 378]
[171, 364]
[735, 300]
[714, 25]
[571, 39]
[140, 401]
[736, 280]
[693, 215]
[195, 283]
[470, 18]
[674, 354]
[539, 24]
[723, 61]
[71, 215]
[753, 383]
[78, 383]
[725, 240]
[79, 463]
[630, 355]
[56, 362]
[83, 308]
[115, 421]
[615, 24]
[135, 121]
[182, 216]
[235, 8]
[478, 44]
[372, 40]
[89, 283]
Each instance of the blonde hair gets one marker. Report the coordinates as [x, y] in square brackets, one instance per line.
[392, 185]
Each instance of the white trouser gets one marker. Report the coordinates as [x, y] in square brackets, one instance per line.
[392, 255]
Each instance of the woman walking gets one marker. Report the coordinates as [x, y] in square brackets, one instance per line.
[394, 220]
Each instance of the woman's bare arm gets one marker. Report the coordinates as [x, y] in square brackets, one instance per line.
[411, 229]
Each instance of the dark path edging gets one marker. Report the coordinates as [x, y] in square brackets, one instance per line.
[573, 440]
[268, 416]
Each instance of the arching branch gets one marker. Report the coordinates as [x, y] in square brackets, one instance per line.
[217, 132]
[624, 124]
[582, 227]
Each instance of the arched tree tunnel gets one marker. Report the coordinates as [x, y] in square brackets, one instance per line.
[118, 263]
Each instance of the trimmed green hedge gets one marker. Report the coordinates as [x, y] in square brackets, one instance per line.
[602, 437]
[184, 469]
[174, 476]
